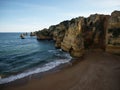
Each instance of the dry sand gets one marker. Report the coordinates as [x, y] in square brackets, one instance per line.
[96, 71]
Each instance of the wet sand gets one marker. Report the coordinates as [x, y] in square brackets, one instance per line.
[96, 71]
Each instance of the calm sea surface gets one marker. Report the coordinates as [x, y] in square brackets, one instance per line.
[22, 57]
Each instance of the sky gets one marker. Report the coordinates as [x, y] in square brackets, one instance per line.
[34, 15]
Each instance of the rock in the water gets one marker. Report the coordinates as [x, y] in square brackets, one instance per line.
[33, 34]
[22, 36]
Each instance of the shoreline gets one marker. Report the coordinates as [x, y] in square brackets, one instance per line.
[96, 71]
[39, 75]
[51, 66]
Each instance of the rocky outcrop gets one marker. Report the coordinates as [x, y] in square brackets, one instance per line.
[78, 34]
[32, 33]
[59, 33]
[43, 34]
[73, 39]
[113, 33]
[94, 31]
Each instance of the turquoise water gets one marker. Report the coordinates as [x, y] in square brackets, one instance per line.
[22, 57]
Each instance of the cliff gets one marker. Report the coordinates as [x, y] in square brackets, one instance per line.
[97, 31]
[113, 33]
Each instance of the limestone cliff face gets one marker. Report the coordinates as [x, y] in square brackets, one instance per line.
[113, 33]
[78, 34]
[94, 31]
[59, 32]
[73, 39]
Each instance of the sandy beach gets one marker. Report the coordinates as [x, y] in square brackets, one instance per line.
[95, 71]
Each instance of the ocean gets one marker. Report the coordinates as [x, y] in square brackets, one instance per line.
[20, 58]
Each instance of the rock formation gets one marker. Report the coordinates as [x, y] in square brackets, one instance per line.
[113, 33]
[73, 39]
[32, 33]
[22, 36]
[95, 32]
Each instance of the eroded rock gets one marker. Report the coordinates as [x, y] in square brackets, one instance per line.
[98, 31]
[113, 33]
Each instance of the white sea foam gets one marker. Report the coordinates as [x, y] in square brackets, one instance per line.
[53, 51]
[46, 67]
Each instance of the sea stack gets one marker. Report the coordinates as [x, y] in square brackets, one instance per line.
[32, 34]
[22, 36]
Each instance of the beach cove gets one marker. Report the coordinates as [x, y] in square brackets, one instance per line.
[78, 54]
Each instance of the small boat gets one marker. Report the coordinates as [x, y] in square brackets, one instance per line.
[22, 36]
